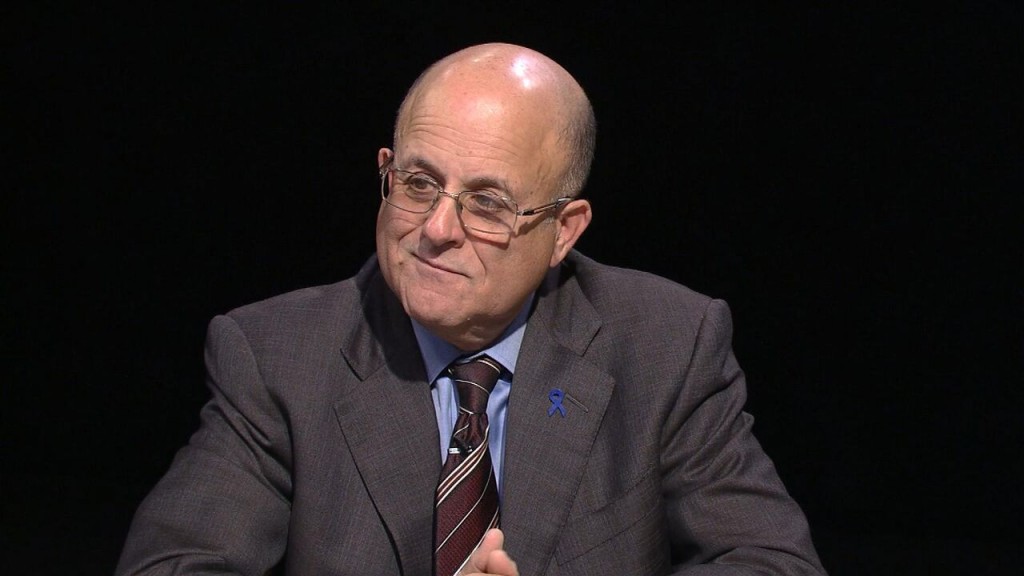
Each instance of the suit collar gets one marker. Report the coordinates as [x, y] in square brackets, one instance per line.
[564, 310]
[385, 334]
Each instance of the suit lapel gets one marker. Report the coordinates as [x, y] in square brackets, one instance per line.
[388, 421]
[546, 455]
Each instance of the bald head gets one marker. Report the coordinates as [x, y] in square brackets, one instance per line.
[535, 97]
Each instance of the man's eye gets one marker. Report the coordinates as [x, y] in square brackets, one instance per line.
[420, 185]
[483, 202]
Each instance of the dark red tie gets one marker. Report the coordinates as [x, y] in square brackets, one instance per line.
[466, 502]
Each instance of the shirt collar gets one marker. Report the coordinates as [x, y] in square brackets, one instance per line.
[438, 354]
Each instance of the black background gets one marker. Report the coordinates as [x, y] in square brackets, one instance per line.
[849, 178]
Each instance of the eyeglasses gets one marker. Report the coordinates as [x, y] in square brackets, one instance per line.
[481, 210]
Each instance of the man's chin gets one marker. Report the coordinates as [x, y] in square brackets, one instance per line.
[452, 333]
[437, 321]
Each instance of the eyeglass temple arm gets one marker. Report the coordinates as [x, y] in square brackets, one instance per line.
[545, 207]
[384, 169]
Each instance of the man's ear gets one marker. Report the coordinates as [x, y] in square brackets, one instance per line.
[571, 221]
[383, 155]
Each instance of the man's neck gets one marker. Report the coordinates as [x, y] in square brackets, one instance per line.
[439, 353]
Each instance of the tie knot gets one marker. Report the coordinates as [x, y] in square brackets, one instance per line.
[474, 381]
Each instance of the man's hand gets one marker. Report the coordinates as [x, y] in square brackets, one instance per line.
[490, 558]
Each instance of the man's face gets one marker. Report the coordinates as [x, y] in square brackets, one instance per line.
[464, 286]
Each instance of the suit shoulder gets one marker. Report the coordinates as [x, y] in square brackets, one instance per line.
[313, 297]
[311, 309]
[612, 288]
[638, 316]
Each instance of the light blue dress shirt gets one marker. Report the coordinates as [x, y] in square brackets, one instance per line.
[438, 354]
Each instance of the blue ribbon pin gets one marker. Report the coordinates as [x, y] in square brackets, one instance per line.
[556, 396]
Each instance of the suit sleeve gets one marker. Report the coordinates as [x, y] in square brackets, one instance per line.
[223, 507]
[728, 512]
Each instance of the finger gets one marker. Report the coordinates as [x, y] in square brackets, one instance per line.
[490, 558]
[501, 564]
[494, 539]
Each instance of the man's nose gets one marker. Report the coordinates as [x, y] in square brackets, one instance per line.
[443, 224]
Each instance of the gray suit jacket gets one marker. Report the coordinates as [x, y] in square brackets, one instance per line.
[318, 455]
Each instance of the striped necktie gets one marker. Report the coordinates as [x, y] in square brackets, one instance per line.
[466, 502]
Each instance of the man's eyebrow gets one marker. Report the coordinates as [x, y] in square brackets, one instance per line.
[423, 164]
[477, 183]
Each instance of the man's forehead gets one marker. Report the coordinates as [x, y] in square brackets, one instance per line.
[485, 128]
[466, 106]
[472, 177]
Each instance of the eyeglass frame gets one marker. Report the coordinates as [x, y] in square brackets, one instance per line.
[385, 192]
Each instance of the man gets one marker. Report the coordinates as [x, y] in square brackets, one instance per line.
[616, 434]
